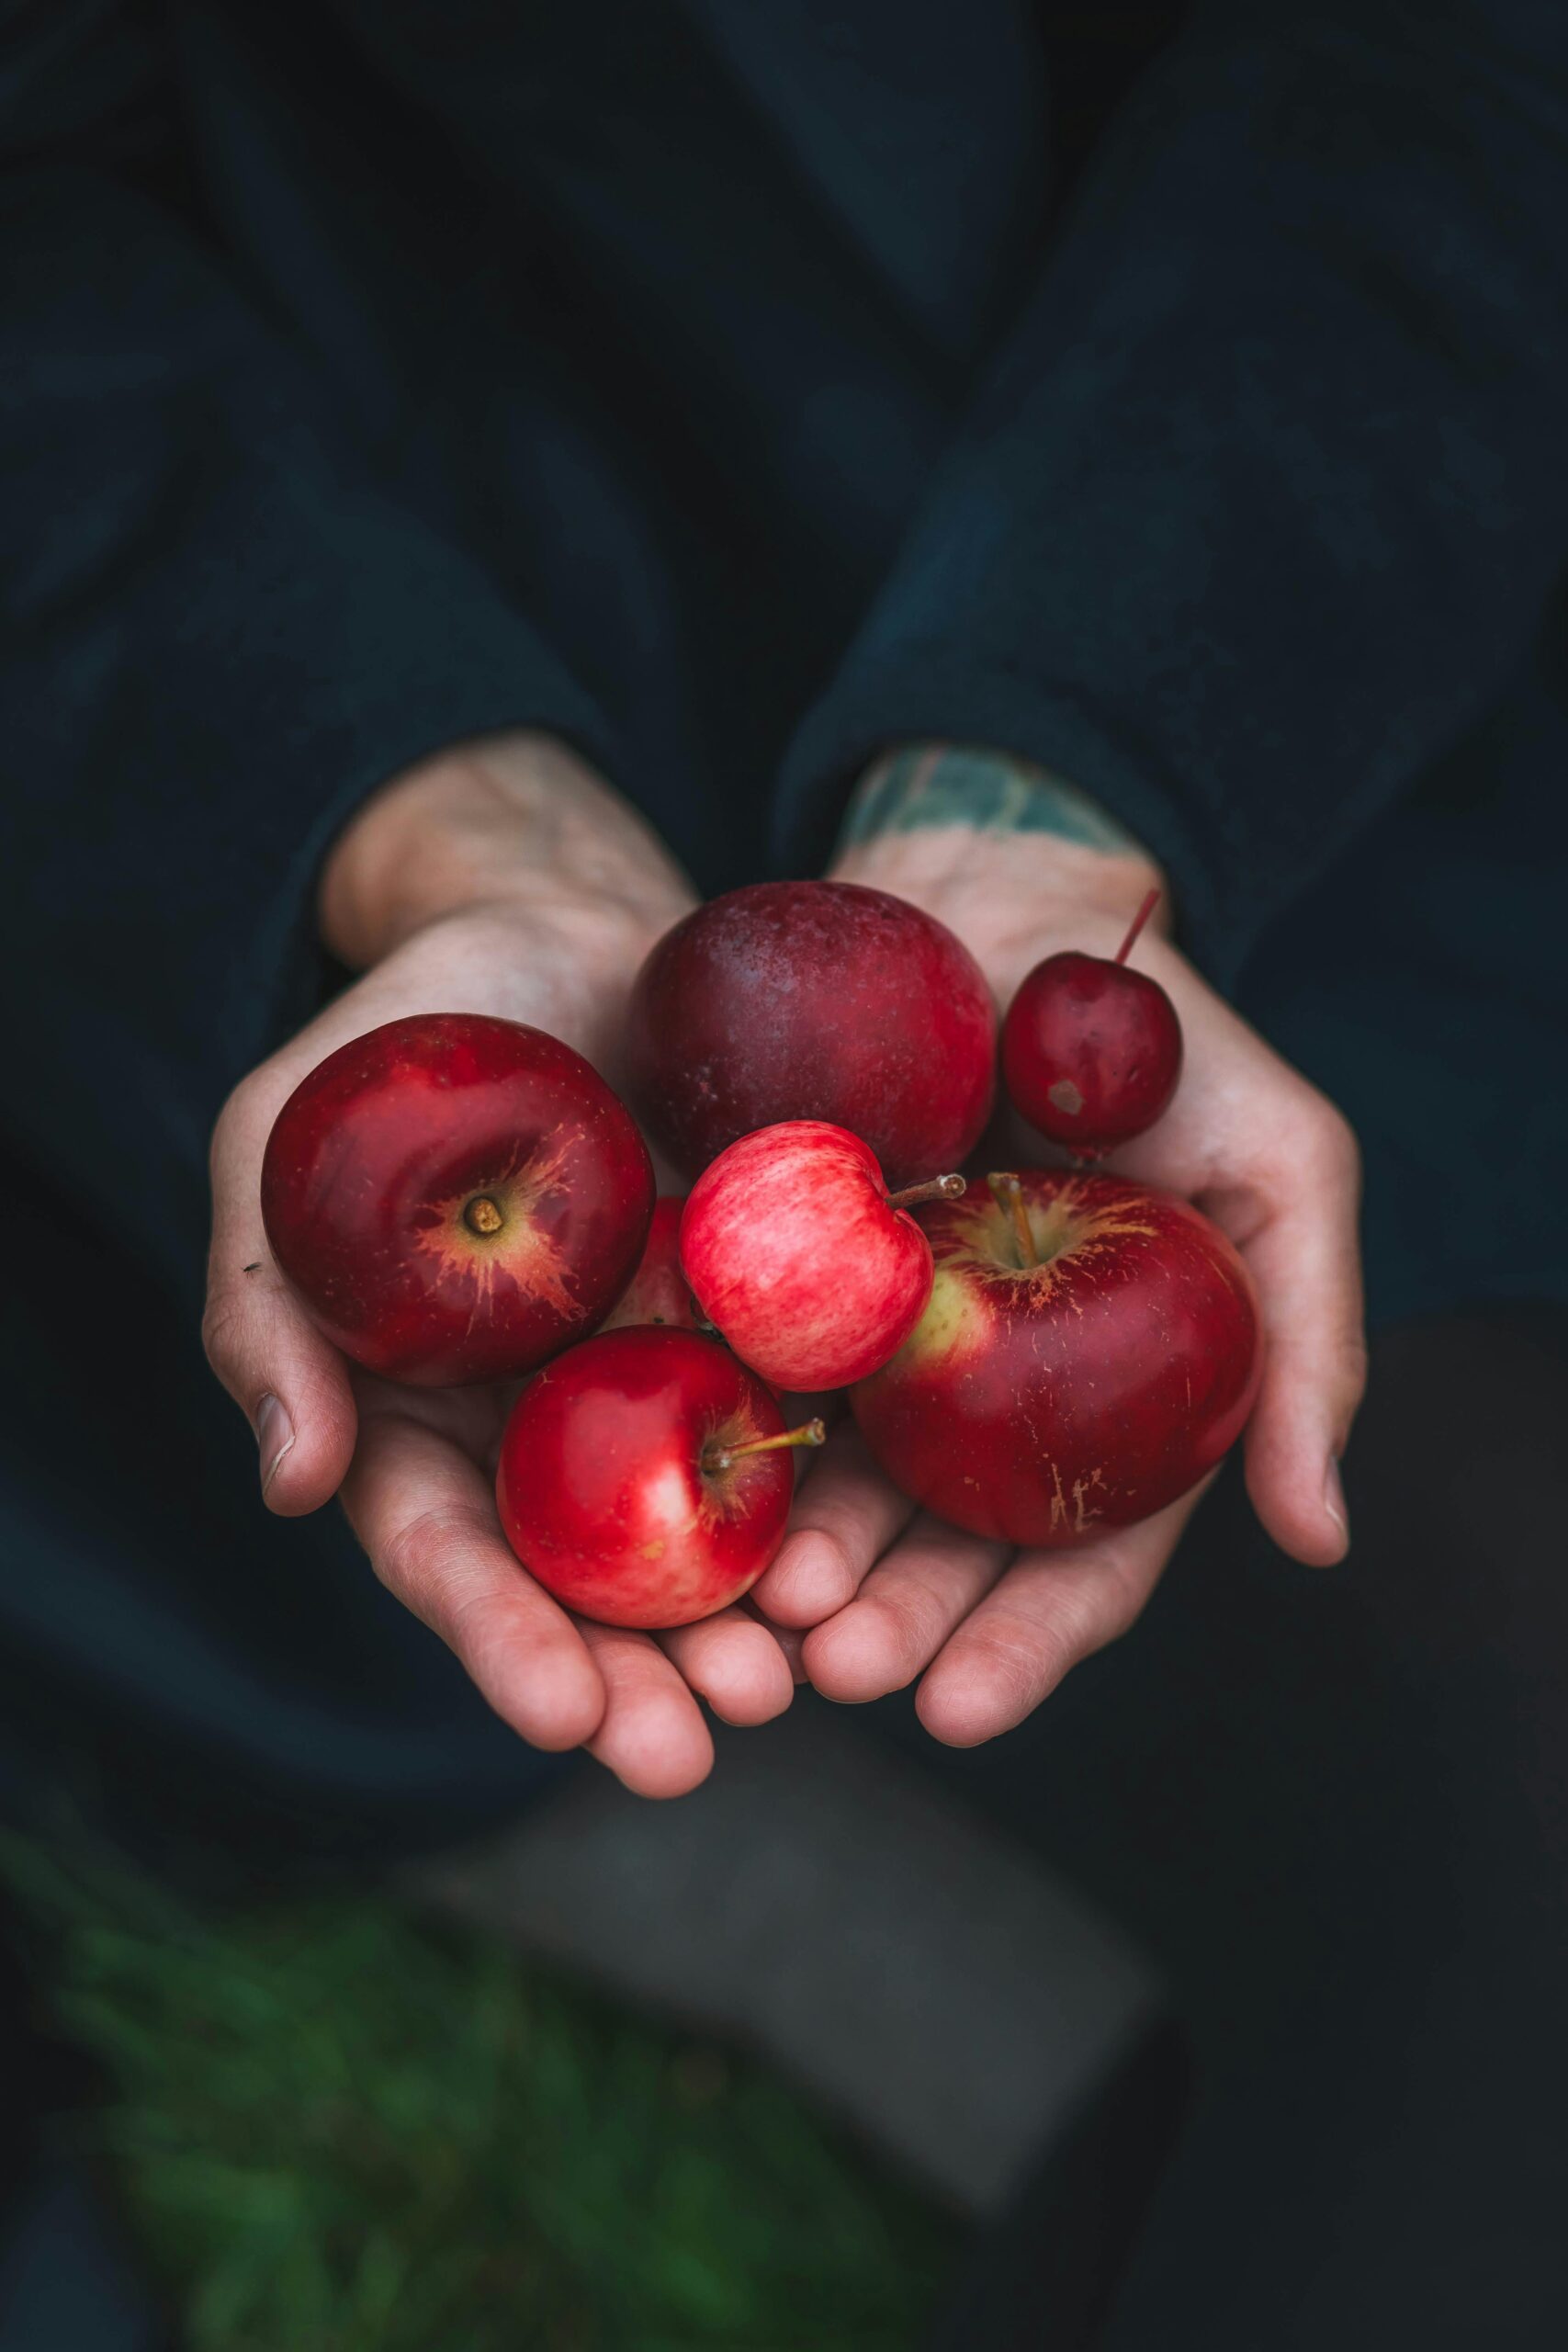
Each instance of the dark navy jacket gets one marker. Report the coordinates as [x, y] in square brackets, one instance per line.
[733, 389]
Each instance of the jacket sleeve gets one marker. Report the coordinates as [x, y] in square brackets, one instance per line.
[1267, 492]
[219, 635]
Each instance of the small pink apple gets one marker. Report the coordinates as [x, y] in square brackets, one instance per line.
[798, 1254]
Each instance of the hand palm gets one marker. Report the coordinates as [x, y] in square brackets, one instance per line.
[891, 1594]
[415, 1467]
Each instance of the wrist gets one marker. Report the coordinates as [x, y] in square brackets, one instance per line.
[509, 823]
[943, 825]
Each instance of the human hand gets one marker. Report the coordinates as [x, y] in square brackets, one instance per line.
[502, 878]
[1020, 866]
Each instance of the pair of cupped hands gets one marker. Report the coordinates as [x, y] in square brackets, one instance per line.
[505, 878]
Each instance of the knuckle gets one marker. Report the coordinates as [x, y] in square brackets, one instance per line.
[1086, 1618]
[242, 1101]
[1335, 1152]
[834, 1553]
[1309, 1142]
[857, 1530]
[479, 1635]
[916, 1613]
[245, 1330]
[417, 1559]
[1113, 1611]
[1022, 1661]
[222, 1333]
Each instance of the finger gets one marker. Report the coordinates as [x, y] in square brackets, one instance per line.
[426, 1516]
[652, 1738]
[1306, 1259]
[923, 1587]
[792, 1643]
[790, 1639]
[1050, 1611]
[732, 1661]
[290, 1383]
[846, 1514]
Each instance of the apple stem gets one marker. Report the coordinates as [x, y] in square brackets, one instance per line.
[937, 1188]
[1139, 919]
[1008, 1194]
[722, 1457]
[482, 1214]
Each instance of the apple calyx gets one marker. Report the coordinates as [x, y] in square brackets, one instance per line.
[483, 1216]
[1139, 919]
[936, 1188]
[1007, 1194]
[717, 1459]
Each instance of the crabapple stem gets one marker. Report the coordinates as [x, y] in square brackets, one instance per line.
[1008, 1194]
[1139, 919]
[721, 1457]
[482, 1214]
[937, 1188]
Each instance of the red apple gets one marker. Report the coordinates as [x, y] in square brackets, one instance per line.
[1091, 1049]
[813, 1000]
[658, 1292]
[798, 1253]
[1090, 1349]
[455, 1197]
[645, 1477]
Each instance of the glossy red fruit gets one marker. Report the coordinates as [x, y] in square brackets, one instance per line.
[813, 1000]
[455, 1197]
[1043, 1403]
[645, 1477]
[796, 1253]
[659, 1291]
[1091, 1048]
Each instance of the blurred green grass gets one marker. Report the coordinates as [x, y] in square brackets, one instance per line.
[339, 2128]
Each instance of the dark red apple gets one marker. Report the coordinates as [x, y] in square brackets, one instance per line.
[798, 1253]
[813, 1000]
[659, 1291]
[455, 1197]
[1089, 1350]
[1091, 1048]
[645, 1477]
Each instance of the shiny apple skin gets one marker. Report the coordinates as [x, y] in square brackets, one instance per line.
[658, 1292]
[793, 1253]
[602, 1488]
[375, 1156]
[813, 1000]
[1044, 1407]
[1092, 1051]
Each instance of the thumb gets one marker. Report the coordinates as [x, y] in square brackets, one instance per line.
[290, 1383]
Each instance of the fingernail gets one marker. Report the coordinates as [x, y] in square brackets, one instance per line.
[1334, 1498]
[275, 1437]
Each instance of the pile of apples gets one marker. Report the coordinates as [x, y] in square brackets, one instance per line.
[1035, 1356]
